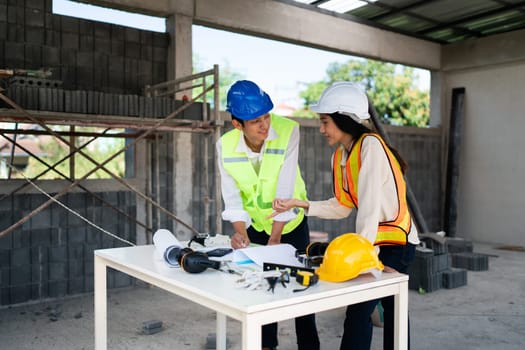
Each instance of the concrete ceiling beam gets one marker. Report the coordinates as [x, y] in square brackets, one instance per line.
[293, 24]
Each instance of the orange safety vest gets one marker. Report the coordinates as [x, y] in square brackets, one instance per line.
[394, 232]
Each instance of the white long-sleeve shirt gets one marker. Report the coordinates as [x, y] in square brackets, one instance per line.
[233, 208]
[376, 193]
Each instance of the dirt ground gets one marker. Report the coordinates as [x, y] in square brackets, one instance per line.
[488, 313]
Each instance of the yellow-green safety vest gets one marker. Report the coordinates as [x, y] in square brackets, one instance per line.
[258, 191]
[394, 232]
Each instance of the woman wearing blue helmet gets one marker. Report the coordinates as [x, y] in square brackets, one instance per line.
[258, 163]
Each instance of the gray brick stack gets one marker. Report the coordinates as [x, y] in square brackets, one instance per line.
[432, 267]
[426, 272]
[28, 95]
[454, 277]
[464, 257]
[471, 261]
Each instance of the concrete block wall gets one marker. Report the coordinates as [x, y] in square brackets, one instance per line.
[51, 255]
[421, 148]
[85, 55]
[437, 266]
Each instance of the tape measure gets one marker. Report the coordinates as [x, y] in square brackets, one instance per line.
[306, 278]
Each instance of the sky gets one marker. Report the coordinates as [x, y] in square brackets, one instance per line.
[281, 69]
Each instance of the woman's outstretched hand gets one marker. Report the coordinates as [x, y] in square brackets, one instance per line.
[280, 205]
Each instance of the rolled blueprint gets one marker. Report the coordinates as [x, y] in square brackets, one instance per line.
[167, 246]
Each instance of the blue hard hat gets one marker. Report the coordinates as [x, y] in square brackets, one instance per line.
[247, 101]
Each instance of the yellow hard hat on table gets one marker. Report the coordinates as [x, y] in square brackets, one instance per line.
[347, 256]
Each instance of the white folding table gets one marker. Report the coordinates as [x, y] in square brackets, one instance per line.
[217, 291]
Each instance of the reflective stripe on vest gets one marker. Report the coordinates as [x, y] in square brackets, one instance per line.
[258, 191]
[394, 232]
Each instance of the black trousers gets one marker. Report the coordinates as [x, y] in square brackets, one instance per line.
[305, 327]
[358, 324]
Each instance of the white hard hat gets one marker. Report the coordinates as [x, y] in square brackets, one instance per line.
[345, 98]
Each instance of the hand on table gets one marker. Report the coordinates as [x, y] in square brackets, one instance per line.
[272, 241]
[389, 269]
[239, 241]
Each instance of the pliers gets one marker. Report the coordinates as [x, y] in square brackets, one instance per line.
[272, 280]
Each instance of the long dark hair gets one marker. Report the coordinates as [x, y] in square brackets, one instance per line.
[350, 126]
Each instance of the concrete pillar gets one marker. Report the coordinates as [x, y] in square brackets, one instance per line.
[180, 49]
[180, 65]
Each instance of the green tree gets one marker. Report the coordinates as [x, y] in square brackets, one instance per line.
[392, 89]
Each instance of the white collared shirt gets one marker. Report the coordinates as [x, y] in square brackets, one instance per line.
[233, 208]
[377, 194]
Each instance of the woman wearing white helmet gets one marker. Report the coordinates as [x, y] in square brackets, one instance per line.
[368, 177]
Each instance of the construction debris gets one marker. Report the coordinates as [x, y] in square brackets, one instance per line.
[151, 327]
[211, 342]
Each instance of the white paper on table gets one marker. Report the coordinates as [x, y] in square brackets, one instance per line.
[283, 254]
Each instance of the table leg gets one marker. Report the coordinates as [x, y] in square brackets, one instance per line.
[100, 305]
[401, 317]
[220, 340]
[251, 335]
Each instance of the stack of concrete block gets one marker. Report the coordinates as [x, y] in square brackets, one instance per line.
[54, 99]
[463, 256]
[432, 267]
[454, 277]
[426, 272]
[471, 261]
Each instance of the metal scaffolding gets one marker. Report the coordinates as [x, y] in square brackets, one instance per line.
[146, 128]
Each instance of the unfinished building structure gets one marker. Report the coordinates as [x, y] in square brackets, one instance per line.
[100, 73]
